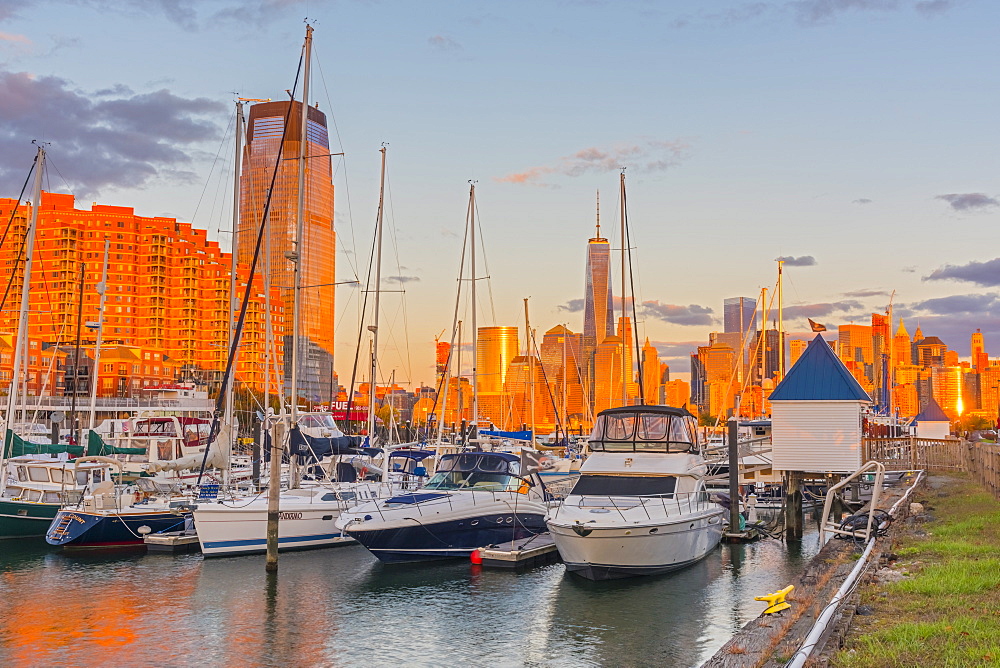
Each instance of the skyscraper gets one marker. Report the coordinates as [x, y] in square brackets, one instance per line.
[980, 360]
[739, 314]
[496, 348]
[273, 142]
[598, 315]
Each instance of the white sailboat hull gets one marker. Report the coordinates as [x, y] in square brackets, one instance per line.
[240, 526]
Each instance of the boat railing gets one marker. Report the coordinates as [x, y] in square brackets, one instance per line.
[663, 505]
[510, 495]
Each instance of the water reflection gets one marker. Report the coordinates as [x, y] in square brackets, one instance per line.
[341, 607]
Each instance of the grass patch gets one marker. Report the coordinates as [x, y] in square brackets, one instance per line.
[947, 613]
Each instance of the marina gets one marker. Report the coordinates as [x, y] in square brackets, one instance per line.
[324, 606]
[255, 413]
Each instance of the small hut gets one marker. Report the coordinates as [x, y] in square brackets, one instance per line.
[816, 415]
[932, 422]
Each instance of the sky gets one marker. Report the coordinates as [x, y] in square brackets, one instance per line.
[855, 138]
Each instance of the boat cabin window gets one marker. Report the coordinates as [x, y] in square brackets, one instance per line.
[22, 473]
[621, 485]
[154, 427]
[643, 432]
[38, 474]
[476, 472]
[315, 421]
[51, 497]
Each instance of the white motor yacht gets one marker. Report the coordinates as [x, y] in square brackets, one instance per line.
[639, 506]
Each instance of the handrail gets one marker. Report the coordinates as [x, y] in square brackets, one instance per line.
[96, 458]
[876, 491]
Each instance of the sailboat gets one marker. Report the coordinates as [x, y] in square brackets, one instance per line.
[307, 509]
[639, 506]
[475, 498]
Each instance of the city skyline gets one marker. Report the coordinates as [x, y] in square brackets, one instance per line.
[742, 145]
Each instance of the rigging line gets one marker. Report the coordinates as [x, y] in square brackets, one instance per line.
[248, 292]
[340, 143]
[363, 308]
[486, 268]
[635, 323]
[451, 342]
[20, 248]
[395, 247]
[548, 388]
[222, 145]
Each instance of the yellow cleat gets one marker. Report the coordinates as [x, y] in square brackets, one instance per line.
[776, 601]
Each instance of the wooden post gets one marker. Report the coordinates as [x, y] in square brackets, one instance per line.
[734, 476]
[913, 451]
[793, 505]
[258, 453]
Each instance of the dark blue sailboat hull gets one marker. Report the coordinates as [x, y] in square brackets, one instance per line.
[75, 528]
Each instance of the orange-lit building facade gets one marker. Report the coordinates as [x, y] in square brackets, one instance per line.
[273, 141]
[167, 289]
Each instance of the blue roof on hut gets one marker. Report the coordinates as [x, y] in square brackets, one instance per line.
[819, 375]
[932, 413]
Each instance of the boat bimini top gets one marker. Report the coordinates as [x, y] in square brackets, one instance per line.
[660, 429]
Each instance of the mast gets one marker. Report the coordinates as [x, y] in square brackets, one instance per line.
[21, 341]
[233, 278]
[475, 328]
[102, 289]
[299, 228]
[373, 328]
[781, 329]
[458, 378]
[531, 370]
[621, 210]
[565, 408]
[299, 249]
[73, 421]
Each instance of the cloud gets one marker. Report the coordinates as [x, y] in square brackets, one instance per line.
[646, 157]
[14, 39]
[967, 201]
[866, 293]
[402, 280]
[801, 261]
[862, 200]
[692, 314]
[988, 303]
[822, 11]
[676, 351]
[821, 309]
[930, 7]
[573, 306]
[444, 43]
[986, 274]
[115, 139]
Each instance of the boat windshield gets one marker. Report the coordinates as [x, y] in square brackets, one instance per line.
[317, 420]
[622, 485]
[643, 432]
[476, 471]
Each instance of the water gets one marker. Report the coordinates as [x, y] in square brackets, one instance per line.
[340, 607]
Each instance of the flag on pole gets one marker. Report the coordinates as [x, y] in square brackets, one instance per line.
[815, 326]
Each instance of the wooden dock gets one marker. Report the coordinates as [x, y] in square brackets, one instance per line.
[173, 542]
[524, 553]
